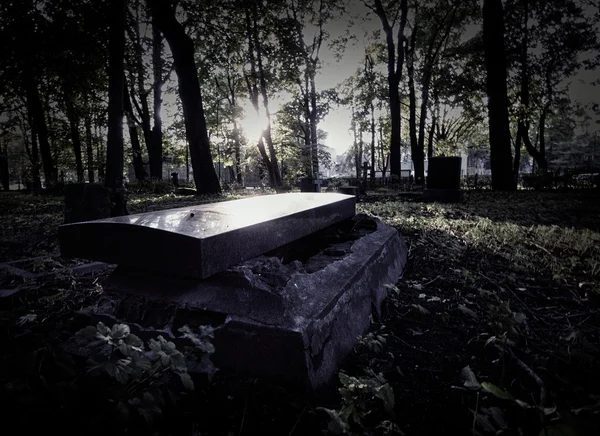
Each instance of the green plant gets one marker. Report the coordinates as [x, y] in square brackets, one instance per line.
[374, 341]
[360, 410]
[146, 378]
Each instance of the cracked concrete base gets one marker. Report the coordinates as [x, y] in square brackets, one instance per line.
[289, 322]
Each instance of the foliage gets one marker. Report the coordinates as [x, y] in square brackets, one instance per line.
[361, 397]
[145, 377]
[494, 270]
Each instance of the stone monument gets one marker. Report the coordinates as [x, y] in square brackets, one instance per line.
[288, 281]
[443, 180]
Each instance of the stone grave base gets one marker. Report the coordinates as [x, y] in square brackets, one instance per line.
[443, 195]
[290, 315]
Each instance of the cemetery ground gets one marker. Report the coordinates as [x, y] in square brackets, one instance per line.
[494, 326]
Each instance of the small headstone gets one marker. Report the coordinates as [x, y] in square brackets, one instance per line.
[309, 184]
[348, 190]
[86, 202]
[443, 180]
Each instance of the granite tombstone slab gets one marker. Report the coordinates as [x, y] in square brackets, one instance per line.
[202, 240]
[292, 322]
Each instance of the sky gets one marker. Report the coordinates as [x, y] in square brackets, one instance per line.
[333, 72]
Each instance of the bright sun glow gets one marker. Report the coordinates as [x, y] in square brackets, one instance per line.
[253, 123]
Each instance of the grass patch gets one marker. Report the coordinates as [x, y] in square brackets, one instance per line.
[493, 328]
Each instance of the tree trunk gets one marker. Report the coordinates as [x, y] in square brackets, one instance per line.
[276, 176]
[73, 118]
[157, 134]
[266, 161]
[542, 135]
[422, 120]
[314, 145]
[182, 48]
[355, 146]
[517, 159]
[394, 67]
[384, 157]
[257, 74]
[495, 63]
[136, 150]
[35, 162]
[306, 127]
[237, 163]
[116, 75]
[359, 155]
[430, 137]
[4, 172]
[138, 82]
[524, 122]
[101, 162]
[412, 105]
[372, 174]
[34, 107]
[89, 142]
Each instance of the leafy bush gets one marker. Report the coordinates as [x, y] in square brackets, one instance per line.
[359, 413]
[146, 379]
[476, 181]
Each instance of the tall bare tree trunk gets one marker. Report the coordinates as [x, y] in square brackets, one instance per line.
[4, 172]
[237, 162]
[116, 84]
[372, 173]
[38, 124]
[73, 118]
[157, 134]
[523, 123]
[34, 157]
[136, 150]
[384, 156]
[263, 90]
[89, 142]
[100, 161]
[412, 101]
[182, 48]
[495, 62]
[430, 137]
[257, 75]
[395, 63]
[314, 140]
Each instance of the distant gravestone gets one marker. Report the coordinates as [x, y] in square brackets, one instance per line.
[309, 184]
[443, 180]
[86, 202]
[348, 190]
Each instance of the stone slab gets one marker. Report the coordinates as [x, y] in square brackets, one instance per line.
[271, 319]
[202, 240]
